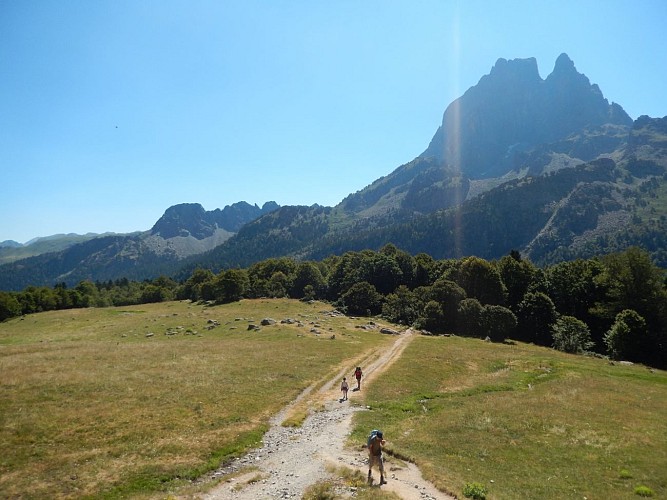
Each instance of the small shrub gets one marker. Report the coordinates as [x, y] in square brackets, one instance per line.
[625, 474]
[643, 491]
[476, 491]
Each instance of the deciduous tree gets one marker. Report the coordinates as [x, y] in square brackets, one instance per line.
[628, 337]
[362, 299]
[535, 314]
[499, 322]
[571, 335]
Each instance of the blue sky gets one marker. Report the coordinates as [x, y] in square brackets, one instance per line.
[111, 111]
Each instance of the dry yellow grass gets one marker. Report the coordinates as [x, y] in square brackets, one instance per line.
[93, 404]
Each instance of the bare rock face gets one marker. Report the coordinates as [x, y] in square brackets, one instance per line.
[190, 219]
[512, 110]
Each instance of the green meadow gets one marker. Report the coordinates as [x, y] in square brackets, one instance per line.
[139, 401]
[523, 421]
[134, 401]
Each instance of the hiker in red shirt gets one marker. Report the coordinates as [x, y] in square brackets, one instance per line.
[357, 375]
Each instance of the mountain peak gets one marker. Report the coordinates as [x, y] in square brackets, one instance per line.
[190, 219]
[513, 73]
[512, 109]
[564, 64]
[184, 219]
[565, 74]
[185, 209]
[520, 67]
[10, 244]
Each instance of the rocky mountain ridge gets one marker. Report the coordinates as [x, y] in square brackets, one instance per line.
[546, 167]
[512, 110]
[184, 230]
[190, 219]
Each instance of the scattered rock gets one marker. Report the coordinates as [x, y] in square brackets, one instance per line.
[253, 327]
[388, 331]
[365, 327]
[174, 330]
[268, 321]
[334, 314]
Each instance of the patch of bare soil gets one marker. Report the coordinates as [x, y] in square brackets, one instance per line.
[292, 459]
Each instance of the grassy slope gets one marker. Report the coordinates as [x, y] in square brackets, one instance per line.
[91, 405]
[527, 422]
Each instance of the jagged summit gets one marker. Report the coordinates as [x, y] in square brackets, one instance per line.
[512, 110]
[190, 219]
[566, 76]
[564, 65]
[524, 69]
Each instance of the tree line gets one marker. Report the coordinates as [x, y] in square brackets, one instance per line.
[614, 305]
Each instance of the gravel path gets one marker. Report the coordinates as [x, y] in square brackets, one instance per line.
[291, 459]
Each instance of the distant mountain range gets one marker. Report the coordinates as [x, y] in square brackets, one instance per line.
[184, 230]
[12, 250]
[547, 167]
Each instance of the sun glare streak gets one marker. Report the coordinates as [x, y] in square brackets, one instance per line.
[452, 144]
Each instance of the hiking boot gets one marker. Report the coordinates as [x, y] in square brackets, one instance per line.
[382, 481]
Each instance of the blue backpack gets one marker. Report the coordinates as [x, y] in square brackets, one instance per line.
[373, 434]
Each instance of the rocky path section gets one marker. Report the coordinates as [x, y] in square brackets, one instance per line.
[292, 459]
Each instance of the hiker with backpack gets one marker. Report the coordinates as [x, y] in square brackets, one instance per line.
[374, 444]
[357, 375]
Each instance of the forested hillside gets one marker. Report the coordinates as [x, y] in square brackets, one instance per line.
[595, 208]
[615, 305]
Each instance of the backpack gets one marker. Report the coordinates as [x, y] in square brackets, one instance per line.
[372, 435]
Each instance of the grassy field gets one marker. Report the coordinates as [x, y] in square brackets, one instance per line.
[121, 402]
[523, 421]
[136, 401]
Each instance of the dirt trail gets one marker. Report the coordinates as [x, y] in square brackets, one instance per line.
[291, 459]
